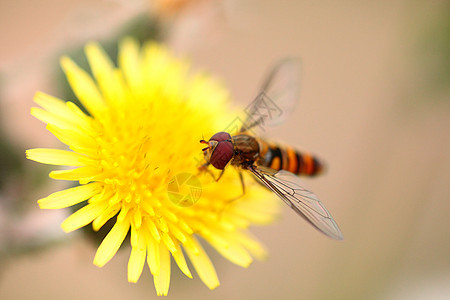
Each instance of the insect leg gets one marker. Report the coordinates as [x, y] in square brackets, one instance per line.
[221, 173]
[204, 168]
[242, 182]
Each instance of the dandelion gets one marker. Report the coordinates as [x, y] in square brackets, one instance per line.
[145, 118]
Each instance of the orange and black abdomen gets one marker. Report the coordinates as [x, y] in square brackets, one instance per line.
[280, 157]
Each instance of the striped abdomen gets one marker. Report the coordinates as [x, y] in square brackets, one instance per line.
[280, 157]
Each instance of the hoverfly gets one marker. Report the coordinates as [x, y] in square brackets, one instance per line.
[277, 167]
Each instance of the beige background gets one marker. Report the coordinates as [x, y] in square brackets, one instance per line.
[369, 106]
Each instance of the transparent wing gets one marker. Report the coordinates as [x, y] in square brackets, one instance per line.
[286, 186]
[277, 98]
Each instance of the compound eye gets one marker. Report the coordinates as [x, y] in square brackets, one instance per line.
[222, 154]
[221, 136]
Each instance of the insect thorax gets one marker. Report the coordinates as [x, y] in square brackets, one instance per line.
[246, 149]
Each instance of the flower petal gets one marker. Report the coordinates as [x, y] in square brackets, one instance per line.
[181, 261]
[153, 230]
[234, 252]
[129, 63]
[110, 212]
[162, 280]
[64, 111]
[255, 248]
[57, 157]
[108, 79]
[202, 263]
[111, 243]
[137, 256]
[100, 63]
[83, 173]
[49, 103]
[50, 118]
[72, 138]
[69, 197]
[83, 216]
[153, 260]
[84, 87]
[168, 241]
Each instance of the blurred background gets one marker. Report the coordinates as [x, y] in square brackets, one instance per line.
[374, 104]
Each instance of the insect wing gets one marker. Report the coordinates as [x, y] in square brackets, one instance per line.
[277, 98]
[286, 186]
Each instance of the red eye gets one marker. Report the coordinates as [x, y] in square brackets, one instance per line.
[222, 154]
[221, 136]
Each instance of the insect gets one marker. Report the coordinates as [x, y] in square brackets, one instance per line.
[275, 166]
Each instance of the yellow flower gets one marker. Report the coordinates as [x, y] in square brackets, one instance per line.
[145, 120]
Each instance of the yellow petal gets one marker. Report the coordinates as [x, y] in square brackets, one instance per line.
[57, 157]
[258, 209]
[177, 233]
[82, 120]
[137, 256]
[201, 263]
[234, 252]
[84, 87]
[181, 261]
[69, 197]
[50, 103]
[255, 248]
[167, 240]
[153, 260]
[83, 216]
[185, 227]
[62, 110]
[137, 219]
[162, 280]
[111, 243]
[100, 63]
[83, 173]
[110, 212]
[129, 63]
[104, 72]
[50, 118]
[73, 138]
[153, 230]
